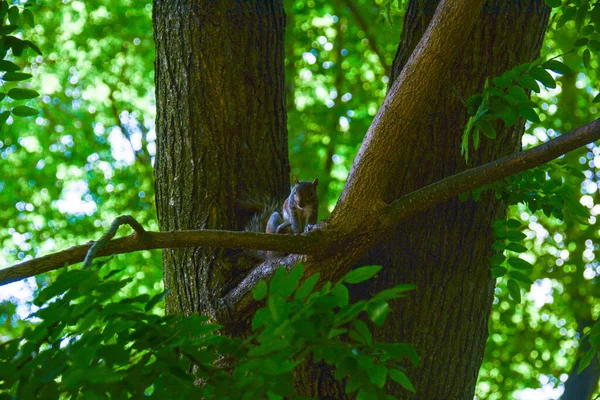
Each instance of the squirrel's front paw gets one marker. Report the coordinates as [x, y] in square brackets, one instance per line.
[309, 227]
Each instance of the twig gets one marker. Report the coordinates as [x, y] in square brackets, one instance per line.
[112, 230]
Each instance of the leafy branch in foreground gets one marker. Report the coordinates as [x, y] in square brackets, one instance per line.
[87, 346]
[13, 18]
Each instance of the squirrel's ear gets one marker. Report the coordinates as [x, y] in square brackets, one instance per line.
[295, 180]
[315, 182]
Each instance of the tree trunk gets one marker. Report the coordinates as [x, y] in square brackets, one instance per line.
[445, 251]
[221, 138]
[221, 131]
[581, 386]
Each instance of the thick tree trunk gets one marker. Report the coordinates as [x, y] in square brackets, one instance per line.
[445, 251]
[221, 131]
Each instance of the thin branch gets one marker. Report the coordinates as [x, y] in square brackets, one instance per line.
[454, 185]
[295, 244]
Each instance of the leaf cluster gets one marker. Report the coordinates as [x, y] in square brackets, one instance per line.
[87, 345]
[14, 18]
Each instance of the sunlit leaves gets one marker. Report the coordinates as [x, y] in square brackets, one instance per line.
[12, 15]
[506, 99]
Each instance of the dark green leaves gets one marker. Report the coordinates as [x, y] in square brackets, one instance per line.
[24, 111]
[8, 66]
[513, 289]
[557, 66]
[543, 77]
[22, 94]
[15, 76]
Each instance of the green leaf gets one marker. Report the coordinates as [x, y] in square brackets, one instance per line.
[15, 76]
[363, 331]
[13, 15]
[32, 46]
[4, 116]
[487, 128]
[498, 246]
[502, 81]
[378, 375]
[402, 379]
[517, 248]
[28, 17]
[340, 292]
[553, 3]
[580, 42]
[594, 45]
[519, 263]
[586, 360]
[529, 83]
[497, 259]
[497, 272]
[515, 236]
[518, 94]
[154, 301]
[22, 94]
[513, 224]
[6, 65]
[557, 66]
[64, 282]
[514, 290]
[521, 277]
[291, 282]
[276, 306]
[596, 98]
[586, 57]
[529, 113]
[544, 77]
[378, 311]
[260, 291]
[361, 274]
[307, 287]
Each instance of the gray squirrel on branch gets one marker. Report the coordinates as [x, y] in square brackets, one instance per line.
[299, 212]
[300, 209]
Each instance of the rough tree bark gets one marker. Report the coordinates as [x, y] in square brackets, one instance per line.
[221, 131]
[445, 251]
[221, 136]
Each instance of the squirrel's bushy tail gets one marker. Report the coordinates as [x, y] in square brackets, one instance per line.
[258, 223]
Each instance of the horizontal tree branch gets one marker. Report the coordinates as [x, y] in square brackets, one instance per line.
[313, 243]
[295, 244]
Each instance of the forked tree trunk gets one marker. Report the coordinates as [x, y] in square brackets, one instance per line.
[445, 251]
[221, 131]
[221, 136]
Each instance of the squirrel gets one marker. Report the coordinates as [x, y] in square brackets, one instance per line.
[300, 209]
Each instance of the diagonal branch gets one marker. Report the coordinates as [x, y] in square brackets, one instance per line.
[443, 190]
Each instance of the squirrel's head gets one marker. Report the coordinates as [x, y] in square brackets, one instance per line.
[305, 192]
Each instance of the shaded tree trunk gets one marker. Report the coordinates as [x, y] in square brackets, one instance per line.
[221, 137]
[445, 251]
[221, 131]
[581, 386]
